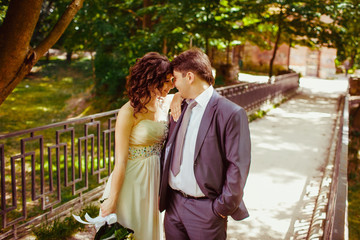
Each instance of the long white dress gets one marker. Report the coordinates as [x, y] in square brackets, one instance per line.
[137, 206]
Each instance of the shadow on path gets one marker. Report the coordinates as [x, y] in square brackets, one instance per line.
[290, 147]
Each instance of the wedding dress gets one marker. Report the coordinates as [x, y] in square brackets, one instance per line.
[137, 206]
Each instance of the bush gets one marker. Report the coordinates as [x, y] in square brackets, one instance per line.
[263, 68]
[256, 115]
[282, 72]
[62, 229]
[111, 71]
[113, 60]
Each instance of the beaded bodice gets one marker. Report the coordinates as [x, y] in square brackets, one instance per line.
[147, 139]
[144, 152]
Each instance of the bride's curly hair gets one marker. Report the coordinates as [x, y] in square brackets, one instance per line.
[148, 73]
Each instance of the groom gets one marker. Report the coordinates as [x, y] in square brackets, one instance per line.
[206, 158]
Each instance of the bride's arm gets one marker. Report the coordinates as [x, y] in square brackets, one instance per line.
[124, 124]
[173, 102]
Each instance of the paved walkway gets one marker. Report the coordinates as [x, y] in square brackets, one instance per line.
[289, 150]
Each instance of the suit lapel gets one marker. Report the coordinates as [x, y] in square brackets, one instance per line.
[205, 122]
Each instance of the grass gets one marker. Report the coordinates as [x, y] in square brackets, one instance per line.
[354, 182]
[257, 114]
[262, 112]
[55, 91]
[354, 211]
[45, 96]
[62, 229]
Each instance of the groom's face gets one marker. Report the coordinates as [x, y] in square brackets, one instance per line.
[181, 82]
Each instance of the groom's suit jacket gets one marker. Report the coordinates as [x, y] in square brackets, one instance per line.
[222, 157]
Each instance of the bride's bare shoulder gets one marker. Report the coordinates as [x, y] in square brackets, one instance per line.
[126, 112]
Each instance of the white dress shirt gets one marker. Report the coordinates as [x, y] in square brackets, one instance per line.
[185, 180]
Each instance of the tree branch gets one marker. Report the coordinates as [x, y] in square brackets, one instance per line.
[15, 35]
[59, 28]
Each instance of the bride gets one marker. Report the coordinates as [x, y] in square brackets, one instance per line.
[140, 131]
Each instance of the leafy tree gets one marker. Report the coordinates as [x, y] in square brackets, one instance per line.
[208, 25]
[291, 22]
[17, 57]
[120, 31]
[172, 27]
[123, 39]
[346, 15]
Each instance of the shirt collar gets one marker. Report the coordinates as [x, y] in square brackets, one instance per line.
[203, 99]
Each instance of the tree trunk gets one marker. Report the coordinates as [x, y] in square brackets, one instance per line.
[228, 53]
[288, 60]
[93, 65]
[165, 49]
[352, 58]
[16, 55]
[207, 45]
[147, 17]
[68, 56]
[318, 64]
[15, 36]
[278, 34]
[47, 56]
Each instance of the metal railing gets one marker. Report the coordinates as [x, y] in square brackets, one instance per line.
[252, 95]
[335, 225]
[329, 219]
[48, 171]
[45, 170]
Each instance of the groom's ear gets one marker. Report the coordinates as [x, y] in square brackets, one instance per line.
[191, 77]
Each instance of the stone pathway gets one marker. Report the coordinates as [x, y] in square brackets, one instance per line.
[290, 146]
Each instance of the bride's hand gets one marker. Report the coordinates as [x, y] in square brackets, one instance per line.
[107, 207]
[175, 106]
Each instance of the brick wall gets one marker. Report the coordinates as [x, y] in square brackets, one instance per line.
[318, 63]
[308, 62]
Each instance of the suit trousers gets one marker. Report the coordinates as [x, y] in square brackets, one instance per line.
[193, 219]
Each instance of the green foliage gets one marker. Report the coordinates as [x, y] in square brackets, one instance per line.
[256, 115]
[62, 229]
[219, 81]
[174, 26]
[290, 22]
[250, 67]
[346, 15]
[123, 234]
[48, 16]
[298, 21]
[262, 112]
[111, 73]
[113, 62]
[124, 43]
[354, 210]
[3, 8]
[121, 31]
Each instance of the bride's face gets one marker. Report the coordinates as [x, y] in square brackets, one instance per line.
[168, 85]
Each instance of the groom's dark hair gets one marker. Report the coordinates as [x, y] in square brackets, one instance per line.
[194, 60]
